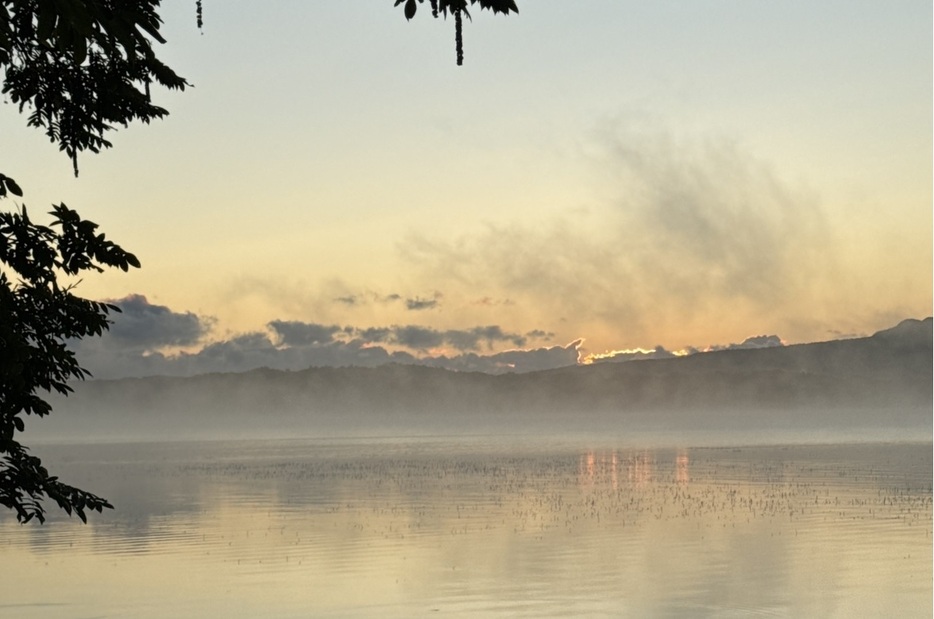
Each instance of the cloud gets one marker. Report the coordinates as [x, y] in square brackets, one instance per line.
[294, 333]
[375, 334]
[719, 220]
[511, 360]
[296, 345]
[762, 341]
[491, 302]
[246, 350]
[694, 225]
[423, 338]
[420, 304]
[368, 297]
[418, 338]
[143, 325]
[539, 358]
[756, 341]
[257, 350]
[471, 339]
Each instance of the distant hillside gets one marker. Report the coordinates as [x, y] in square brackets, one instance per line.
[881, 382]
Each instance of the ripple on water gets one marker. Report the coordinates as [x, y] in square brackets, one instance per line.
[479, 530]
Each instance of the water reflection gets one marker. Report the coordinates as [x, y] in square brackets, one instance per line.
[683, 465]
[595, 467]
[407, 529]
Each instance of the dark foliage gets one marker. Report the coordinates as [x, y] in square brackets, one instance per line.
[81, 66]
[38, 315]
[77, 67]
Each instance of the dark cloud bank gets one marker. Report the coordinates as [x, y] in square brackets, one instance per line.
[142, 332]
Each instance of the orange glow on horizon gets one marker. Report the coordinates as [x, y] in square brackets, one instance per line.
[610, 354]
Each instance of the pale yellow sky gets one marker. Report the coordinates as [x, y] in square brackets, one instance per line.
[632, 174]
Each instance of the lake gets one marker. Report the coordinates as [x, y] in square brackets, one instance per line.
[479, 527]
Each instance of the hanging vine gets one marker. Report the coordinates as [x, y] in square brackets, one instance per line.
[458, 8]
[459, 36]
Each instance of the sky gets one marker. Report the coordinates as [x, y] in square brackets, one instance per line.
[598, 179]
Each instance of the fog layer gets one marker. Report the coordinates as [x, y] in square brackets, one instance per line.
[875, 387]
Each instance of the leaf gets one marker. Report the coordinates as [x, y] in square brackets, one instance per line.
[410, 8]
[152, 30]
[45, 18]
[80, 50]
[12, 187]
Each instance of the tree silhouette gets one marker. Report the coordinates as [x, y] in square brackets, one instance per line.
[81, 66]
[76, 68]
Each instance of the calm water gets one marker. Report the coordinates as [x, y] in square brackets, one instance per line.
[396, 528]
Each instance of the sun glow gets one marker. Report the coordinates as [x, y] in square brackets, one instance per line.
[609, 354]
[632, 354]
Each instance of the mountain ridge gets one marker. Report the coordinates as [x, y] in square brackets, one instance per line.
[880, 381]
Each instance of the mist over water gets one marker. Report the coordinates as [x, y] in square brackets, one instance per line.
[875, 388]
[792, 481]
[503, 526]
